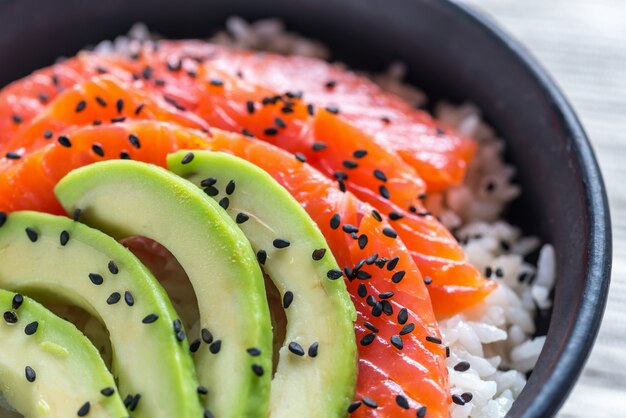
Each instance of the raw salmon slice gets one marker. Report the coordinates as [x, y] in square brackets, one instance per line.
[102, 99]
[29, 184]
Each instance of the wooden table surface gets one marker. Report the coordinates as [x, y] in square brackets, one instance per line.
[582, 43]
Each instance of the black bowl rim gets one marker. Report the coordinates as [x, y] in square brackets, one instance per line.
[577, 347]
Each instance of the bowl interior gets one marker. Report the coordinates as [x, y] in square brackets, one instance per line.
[450, 55]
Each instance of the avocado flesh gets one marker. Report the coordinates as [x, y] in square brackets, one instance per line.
[321, 310]
[128, 198]
[68, 369]
[47, 267]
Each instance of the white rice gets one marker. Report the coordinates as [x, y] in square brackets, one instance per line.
[495, 337]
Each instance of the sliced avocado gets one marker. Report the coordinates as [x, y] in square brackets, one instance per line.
[317, 366]
[48, 368]
[47, 255]
[128, 198]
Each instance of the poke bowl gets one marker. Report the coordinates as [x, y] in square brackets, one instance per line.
[493, 161]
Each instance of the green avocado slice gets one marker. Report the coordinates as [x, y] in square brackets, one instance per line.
[53, 256]
[128, 198]
[317, 367]
[48, 368]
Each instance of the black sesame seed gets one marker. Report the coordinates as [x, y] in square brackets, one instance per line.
[180, 335]
[398, 276]
[195, 345]
[187, 158]
[421, 412]
[377, 310]
[296, 348]
[394, 216]
[389, 232]
[48, 134]
[215, 346]
[211, 191]
[354, 406]
[32, 234]
[393, 263]
[371, 300]
[407, 329]
[128, 400]
[334, 274]
[403, 316]
[178, 326]
[287, 299]
[84, 410]
[150, 318]
[380, 175]
[64, 238]
[241, 218]
[97, 149]
[435, 340]
[340, 175]
[363, 275]
[349, 164]
[17, 301]
[376, 215]
[342, 186]
[270, 131]
[128, 298]
[30, 374]
[261, 256]
[300, 157]
[402, 402]
[318, 146]
[96, 279]
[467, 397]
[230, 187]
[385, 295]
[330, 84]
[43, 98]
[80, 106]
[139, 109]
[216, 82]
[202, 390]
[490, 187]
[281, 243]
[362, 290]
[207, 182]
[224, 203]
[64, 141]
[369, 402]
[348, 228]
[10, 317]
[13, 156]
[367, 339]
[499, 273]
[114, 298]
[360, 153]
[396, 341]
[371, 259]
[134, 140]
[17, 119]
[462, 366]
[286, 110]
[458, 400]
[332, 109]
[257, 369]
[124, 155]
[119, 119]
[384, 192]
[310, 108]
[119, 105]
[31, 328]
[371, 327]
[250, 106]
[313, 349]
[253, 351]
[101, 101]
[3, 218]
[488, 271]
[318, 254]
[427, 280]
[247, 133]
[280, 123]
[447, 351]
[134, 403]
[387, 308]
[206, 335]
[108, 391]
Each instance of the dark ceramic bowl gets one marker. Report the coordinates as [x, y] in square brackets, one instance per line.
[451, 52]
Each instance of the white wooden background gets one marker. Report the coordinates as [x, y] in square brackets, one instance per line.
[582, 43]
